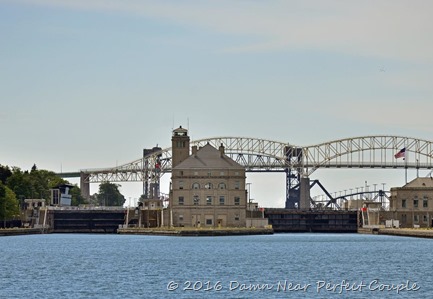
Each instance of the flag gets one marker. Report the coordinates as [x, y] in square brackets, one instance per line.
[401, 153]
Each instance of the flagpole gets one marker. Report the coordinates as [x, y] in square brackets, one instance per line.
[405, 162]
[402, 154]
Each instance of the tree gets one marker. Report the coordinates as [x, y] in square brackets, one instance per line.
[77, 199]
[5, 172]
[38, 184]
[19, 182]
[33, 184]
[9, 207]
[109, 195]
[44, 180]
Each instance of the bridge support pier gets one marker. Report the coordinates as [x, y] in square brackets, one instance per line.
[298, 196]
[292, 190]
[84, 185]
[304, 194]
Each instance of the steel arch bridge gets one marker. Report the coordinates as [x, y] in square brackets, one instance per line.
[261, 155]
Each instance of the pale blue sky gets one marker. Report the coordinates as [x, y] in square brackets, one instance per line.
[90, 83]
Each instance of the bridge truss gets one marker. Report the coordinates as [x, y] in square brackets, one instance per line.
[298, 162]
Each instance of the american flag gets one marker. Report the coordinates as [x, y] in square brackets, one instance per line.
[401, 153]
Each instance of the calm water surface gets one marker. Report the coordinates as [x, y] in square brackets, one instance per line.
[275, 266]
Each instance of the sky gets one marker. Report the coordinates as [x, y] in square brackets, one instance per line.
[90, 83]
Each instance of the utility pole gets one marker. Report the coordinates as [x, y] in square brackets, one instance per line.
[249, 199]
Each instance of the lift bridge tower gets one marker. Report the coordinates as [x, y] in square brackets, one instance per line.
[180, 142]
[151, 183]
[297, 184]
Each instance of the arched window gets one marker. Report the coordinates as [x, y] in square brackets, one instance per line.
[221, 186]
[196, 186]
[208, 186]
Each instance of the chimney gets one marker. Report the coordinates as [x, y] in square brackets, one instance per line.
[221, 149]
[194, 150]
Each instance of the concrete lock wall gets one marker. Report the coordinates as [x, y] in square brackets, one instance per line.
[257, 222]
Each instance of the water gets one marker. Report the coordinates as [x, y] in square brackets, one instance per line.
[126, 266]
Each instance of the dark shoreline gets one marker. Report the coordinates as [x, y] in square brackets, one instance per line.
[401, 232]
[20, 231]
[196, 231]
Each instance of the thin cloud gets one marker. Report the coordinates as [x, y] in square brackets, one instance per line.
[410, 115]
[397, 29]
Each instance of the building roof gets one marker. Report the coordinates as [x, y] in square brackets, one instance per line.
[180, 131]
[420, 183]
[208, 157]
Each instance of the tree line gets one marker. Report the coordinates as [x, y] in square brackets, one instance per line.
[17, 185]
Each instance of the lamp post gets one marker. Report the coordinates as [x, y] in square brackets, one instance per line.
[249, 200]
[249, 196]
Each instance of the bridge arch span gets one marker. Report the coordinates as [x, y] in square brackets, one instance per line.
[256, 155]
[368, 151]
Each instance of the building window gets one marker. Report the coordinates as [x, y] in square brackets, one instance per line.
[425, 219]
[237, 201]
[181, 200]
[196, 186]
[196, 200]
[181, 173]
[415, 219]
[208, 221]
[222, 200]
[236, 172]
[180, 184]
[209, 200]
[180, 144]
[195, 173]
[180, 217]
[425, 203]
[236, 217]
[209, 173]
[221, 173]
[237, 184]
[403, 203]
[221, 186]
[208, 186]
[415, 203]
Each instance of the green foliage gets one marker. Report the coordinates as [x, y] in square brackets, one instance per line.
[5, 172]
[19, 182]
[109, 195]
[38, 184]
[9, 206]
[77, 199]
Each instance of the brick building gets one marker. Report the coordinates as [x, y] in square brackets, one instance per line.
[412, 204]
[207, 186]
